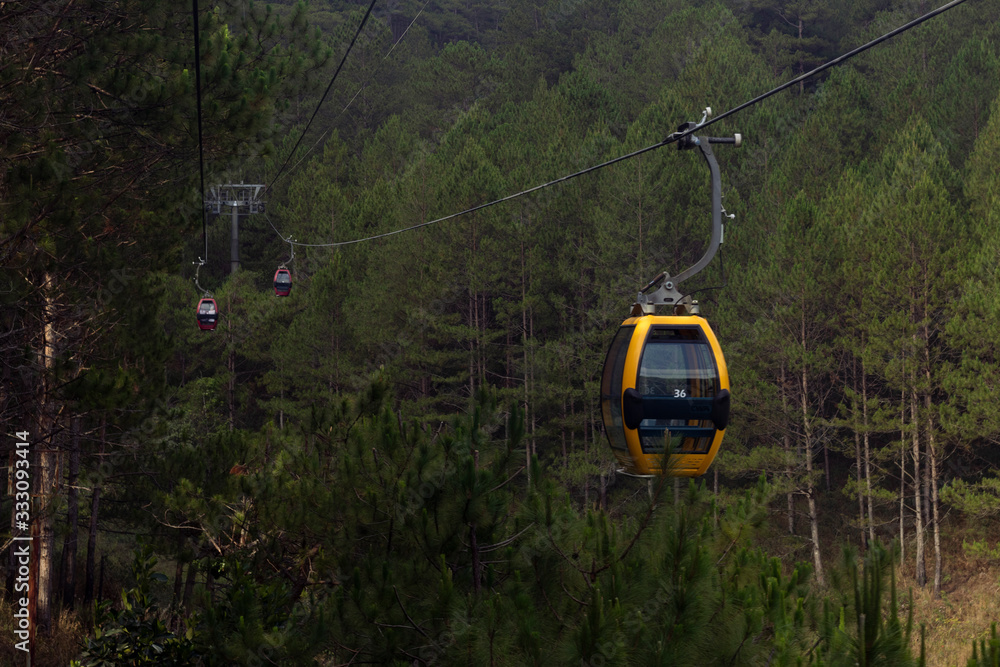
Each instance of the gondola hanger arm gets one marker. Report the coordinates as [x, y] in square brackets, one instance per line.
[291, 244]
[666, 292]
[204, 292]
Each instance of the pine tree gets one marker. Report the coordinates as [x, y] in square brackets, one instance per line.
[920, 235]
[878, 635]
[97, 180]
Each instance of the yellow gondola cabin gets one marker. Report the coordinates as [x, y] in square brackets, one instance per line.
[665, 381]
[665, 387]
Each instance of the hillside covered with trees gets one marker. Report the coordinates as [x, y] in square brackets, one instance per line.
[403, 461]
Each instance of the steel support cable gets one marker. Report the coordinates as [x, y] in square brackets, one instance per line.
[669, 140]
[201, 144]
[350, 46]
[358, 92]
[487, 204]
[342, 111]
[833, 63]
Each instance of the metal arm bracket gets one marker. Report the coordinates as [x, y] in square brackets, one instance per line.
[666, 292]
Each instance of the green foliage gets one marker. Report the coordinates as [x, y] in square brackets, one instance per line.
[446, 545]
[979, 499]
[986, 652]
[864, 628]
[136, 634]
[330, 516]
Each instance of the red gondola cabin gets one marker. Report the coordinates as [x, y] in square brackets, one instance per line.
[208, 314]
[282, 282]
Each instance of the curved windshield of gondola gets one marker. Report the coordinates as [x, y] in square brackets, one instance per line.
[678, 372]
[611, 388]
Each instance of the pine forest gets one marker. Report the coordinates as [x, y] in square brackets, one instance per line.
[304, 308]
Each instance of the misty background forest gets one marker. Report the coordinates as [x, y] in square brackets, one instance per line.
[403, 461]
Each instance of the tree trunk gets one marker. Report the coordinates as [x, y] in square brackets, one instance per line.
[508, 365]
[48, 461]
[531, 376]
[231, 365]
[787, 444]
[802, 66]
[484, 324]
[281, 397]
[524, 350]
[857, 455]
[902, 478]
[100, 579]
[920, 570]
[603, 499]
[813, 516]
[174, 622]
[826, 466]
[189, 584]
[472, 312]
[810, 488]
[72, 518]
[178, 584]
[861, 496]
[867, 453]
[925, 489]
[477, 563]
[562, 430]
[935, 517]
[931, 467]
[573, 422]
[477, 566]
[95, 499]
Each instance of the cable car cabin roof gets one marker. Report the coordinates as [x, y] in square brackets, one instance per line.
[665, 390]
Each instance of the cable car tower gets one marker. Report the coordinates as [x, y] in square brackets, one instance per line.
[243, 200]
[665, 386]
